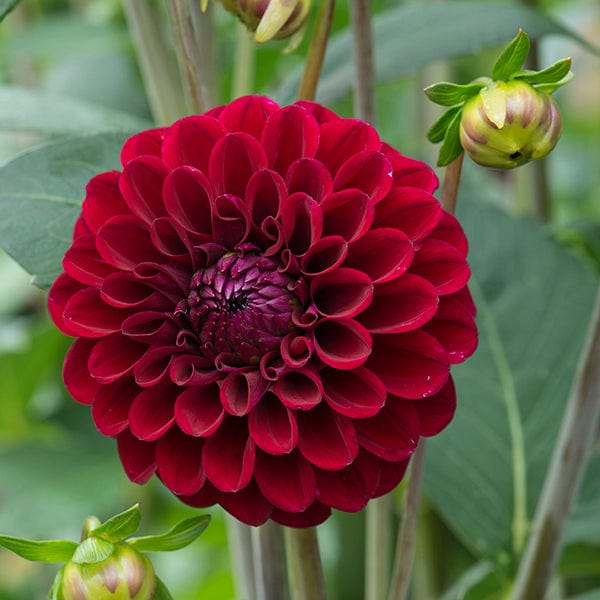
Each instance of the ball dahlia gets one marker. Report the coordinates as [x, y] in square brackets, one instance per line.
[266, 302]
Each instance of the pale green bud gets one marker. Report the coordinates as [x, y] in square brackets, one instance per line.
[508, 124]
[124, 575]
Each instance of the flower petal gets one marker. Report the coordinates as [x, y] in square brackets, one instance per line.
[124, 290]
[302, 221]
[230, 220]
[151, 327]
[324, 256]
[450, 231]
[390, 475]
[137, 457]
[342, 343]
[321, 113]
[147, 142]
[114, 356]
[264, 195]
[296, 350]
[87, 315]
[248, 114]
[314, 515]
[198, 410]
[63, 288]
[153, 366]
[298, 389]
[151, 413]
[103, 200]
[311, 177]
[110, 408]
[348, 213]
[410, 172]
[368, 171]
[326, 438]
[342, 293]
[241, 390]
[273, 426]
[437, 411]
[248, 505]
[76, 376]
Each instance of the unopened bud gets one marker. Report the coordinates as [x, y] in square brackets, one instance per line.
[124, 575]
[508, 124]
[270, 19]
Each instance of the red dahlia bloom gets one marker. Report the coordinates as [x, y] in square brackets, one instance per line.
[267, 302]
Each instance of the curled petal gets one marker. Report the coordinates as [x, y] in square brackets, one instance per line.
[191, 369]
[298, 389]
[230, 220]
[368, 171]
[311, 177]
[110, 408]
[273, 426]
[76, 376]
[137, 457]
[435, 412]
[151, 413]
[342, 343]
[145, 143]
[198, 410]
[393, 433]
[171, 280]
[321, 113]
[180, 476]
[399, 305]
[264, 195]
[296, 350]
[190, 142]
[287, 481]
[411, 365]
[342, 293]
[302, 221]
[241, 390]
[348, 213]
[390, 475]
[247, 505]
[450, 231]
[171, 240]
[230, 440]
[151, 327]
[382, 254]
[154, 365]
[124, 290]
[87, 315]
[114, 356]
[63, 288]
[83, 263]
[357, 393]
[410, 172]
[326, 438]
[249, 114]
[103, 200]
[324, 256]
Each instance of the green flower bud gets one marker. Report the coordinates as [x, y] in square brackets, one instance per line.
[270, 19]
[124, 575]
[508, 124]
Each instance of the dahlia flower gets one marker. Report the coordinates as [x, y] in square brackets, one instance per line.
[267, 301]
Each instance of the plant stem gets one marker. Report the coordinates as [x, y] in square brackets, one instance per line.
[240, 547]
[163, 90]
[269, 562]
[204, 28]
[364, 72]
[243, 66]
[451, 182]
[405, 543]
[187, 54]
[378, 547]
[565, 471]
[316, 51]
[304, 564]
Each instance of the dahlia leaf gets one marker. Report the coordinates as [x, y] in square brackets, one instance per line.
[41, 195]
[450, 94]
[6, 6]
[161, 593]
[181, 535]
[437, 131]
[451, 146]
[512, 57]
[469, 580]
[51, 551]
[120, 526]
[552, 74]
[552, 87]
[92, 550]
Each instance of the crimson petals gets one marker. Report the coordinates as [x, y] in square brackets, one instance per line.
[83, 262]
[248, 114]
[296, 350]
[342, 293]
[241, 390]
[437, 411]
[367, 171]
[151, 413]
[409, 171]
[191, 369]
[114, 356]
[321, 113]
[298, 389]
[103, 200]
[230, 220]
[450, 231]
[324, 256]
[63, 288]
[179, 462]
[390, 475]
[147, 142]
[198, 410]
[230, 440]
[314, 515]
[247, 505]
[151, 327]
[76, 376]
[124, 290]
[400, 305]
[87, 315]
[311, 177]
[171, 240]
[137, 457]
[273, 426]
[326, 438]
[287, 481]
[302, 221]
[111, 405]
[342, 343]
[357, 393]
[348, 213]
[153, 366]
[264, 195]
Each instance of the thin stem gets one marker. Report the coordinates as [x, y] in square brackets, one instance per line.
[316, 51]
[364, 72]
[269, 562]
[162, 88]
[405, 543]
[243, 66]
[204, 33]
[378, 547]
[304, 564]
[187, 54]
[451, 182]
[240, 547]
[565, 471]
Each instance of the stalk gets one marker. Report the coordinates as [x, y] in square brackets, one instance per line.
[451, 182]
[240, 547]
[364, 71]
[304, 564]
[378, 547]
[269, 562]
[204, 33]
[243, 66]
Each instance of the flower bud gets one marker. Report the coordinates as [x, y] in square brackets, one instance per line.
[508, 124]
[124, 575]
[270, 19]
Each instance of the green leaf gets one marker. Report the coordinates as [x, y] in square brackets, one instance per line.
[93, 550]
[161, 593]
[592, 595]
[451, 147]
[485, 471]
[182, 534]
[408, 37]
[478, 579]
[437, 131]
[41, 197]
[552, 74]
[49, 113]
[450, 94]
[549, 88]
[511, 59]
[55, 590]
[580, 560]
[120, 526]
[6, 6]
[51, 551]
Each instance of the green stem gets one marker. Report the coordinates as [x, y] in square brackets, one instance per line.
[162, 88]
[364, 71]
[316, 51]
[240, 547]
[204, 32]
[405, 543]
[304, 564]
[243, 66]
[565, 471]
[451, 182]
[269, 562]
[187, 53]
[378, 547]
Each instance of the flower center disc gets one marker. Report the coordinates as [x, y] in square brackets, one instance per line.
[241, 305]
